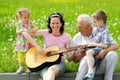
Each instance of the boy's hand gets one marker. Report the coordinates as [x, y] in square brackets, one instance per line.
[91, 44]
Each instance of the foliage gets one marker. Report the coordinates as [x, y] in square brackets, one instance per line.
[40, 10]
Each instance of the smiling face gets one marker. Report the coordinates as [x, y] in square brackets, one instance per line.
[25, 18]
[55, 24]
[98, 23]
[85, 30]
[99, 18]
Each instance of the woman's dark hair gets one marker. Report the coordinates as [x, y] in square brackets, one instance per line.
[58, 15]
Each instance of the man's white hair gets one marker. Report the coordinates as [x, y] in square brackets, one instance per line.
[86, 19]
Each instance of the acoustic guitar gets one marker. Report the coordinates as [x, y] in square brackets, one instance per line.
[36, 61]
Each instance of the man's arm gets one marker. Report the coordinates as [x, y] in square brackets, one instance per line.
[78, 55]
[102, 54]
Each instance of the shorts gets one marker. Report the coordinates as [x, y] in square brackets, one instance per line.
[97, 61]
[61, 66]
[97, 50]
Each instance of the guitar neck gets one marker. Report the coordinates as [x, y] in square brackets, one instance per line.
[67, 49]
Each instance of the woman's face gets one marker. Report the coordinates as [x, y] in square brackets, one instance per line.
[55, 24]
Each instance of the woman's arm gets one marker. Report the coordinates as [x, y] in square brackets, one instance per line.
[29, 38]
[69, 54]
[39, 33]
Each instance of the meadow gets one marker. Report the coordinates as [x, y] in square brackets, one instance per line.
[40, 11]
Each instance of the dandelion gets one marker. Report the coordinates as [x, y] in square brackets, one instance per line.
[76, 14]
[10, 39]
[97, 4]
[114, 24]
[118, 37]
[44, 17]
[116, 19]
[67, 23]
[4, 49]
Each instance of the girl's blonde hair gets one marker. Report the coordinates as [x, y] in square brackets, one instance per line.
[21, 12]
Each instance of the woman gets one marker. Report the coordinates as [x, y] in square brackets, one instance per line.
[54, 36]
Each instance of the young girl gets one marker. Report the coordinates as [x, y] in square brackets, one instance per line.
[24, 24]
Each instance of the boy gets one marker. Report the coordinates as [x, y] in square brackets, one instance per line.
[101, 38]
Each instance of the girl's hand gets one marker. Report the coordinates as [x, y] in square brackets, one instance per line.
[26, 30]
[19, 31]
[34, 29]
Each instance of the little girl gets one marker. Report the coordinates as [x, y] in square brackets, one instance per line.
[24, 24]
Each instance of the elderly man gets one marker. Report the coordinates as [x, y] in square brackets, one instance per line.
[109, 56]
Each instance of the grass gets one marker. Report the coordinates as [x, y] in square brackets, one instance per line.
[40, 10]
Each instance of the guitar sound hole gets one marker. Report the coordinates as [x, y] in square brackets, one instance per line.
[48, 54]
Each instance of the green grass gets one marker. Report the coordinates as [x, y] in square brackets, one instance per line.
[40, 10]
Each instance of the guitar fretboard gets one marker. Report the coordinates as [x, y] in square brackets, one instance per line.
[66, 50]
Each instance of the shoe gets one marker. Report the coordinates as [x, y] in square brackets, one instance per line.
[89, 76]
[19, 70]
[28, 71]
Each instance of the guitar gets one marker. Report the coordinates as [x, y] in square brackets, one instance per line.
[36, 61]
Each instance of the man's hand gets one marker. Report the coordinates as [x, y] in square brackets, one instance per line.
[101, 55]
[79, 51]
[78, 54]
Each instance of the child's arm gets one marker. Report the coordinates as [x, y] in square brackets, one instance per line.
[97, 45]
[34, 28]
[19, 31]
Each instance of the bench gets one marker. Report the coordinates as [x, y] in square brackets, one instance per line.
[36, 76]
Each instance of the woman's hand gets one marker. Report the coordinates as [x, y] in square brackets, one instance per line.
[40, 50]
